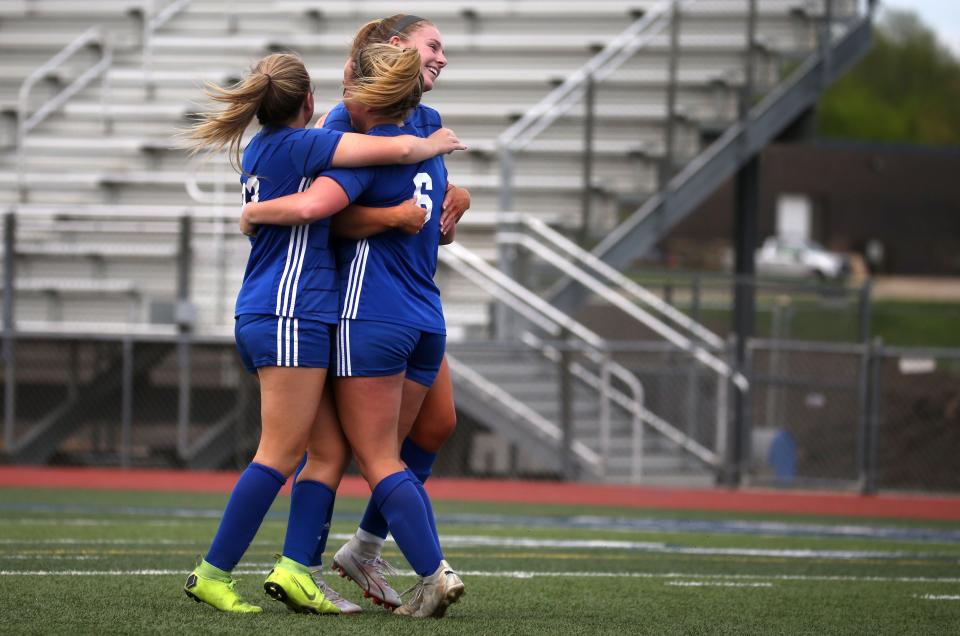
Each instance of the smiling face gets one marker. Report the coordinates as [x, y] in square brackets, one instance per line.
[428, 42]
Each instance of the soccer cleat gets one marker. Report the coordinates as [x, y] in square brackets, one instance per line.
[361, 563]
[345, 606]
[219, 594]
[291, 584]
[433, 594]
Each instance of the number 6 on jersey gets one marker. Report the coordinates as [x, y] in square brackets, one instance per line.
[421, 183]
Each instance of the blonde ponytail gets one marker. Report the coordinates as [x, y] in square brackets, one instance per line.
[386, 78]
[273, 91]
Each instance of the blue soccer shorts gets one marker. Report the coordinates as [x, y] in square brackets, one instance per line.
[368, 348]
[274, 341]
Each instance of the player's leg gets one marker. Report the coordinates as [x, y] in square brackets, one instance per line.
[436, 591]
[312, 499]
[292, 580]
[290, 397]
[359, 559]
[430, 422]
[437, 417]
[284, 404]
[369, 392]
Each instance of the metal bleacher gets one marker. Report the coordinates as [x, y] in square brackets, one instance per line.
[100, 189]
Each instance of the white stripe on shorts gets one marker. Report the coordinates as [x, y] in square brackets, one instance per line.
[296, 342]
[347, 341]
[279, 341]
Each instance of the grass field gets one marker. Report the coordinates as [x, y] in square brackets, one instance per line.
[114, 562]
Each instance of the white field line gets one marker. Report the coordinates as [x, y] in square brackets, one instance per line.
[580, 544]
[532, 574]
[715, 584]
[938, 597]
[186, 516]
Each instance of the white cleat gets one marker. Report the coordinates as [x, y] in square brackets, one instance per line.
[433, 594]
[345, 606]
[361, 563]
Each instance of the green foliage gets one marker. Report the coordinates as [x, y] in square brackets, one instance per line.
[905, 90]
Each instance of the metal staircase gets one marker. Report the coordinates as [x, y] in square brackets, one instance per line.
[562, 392]
[585, 417]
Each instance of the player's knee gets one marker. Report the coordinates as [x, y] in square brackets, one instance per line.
[281, 461]
[431, 434]
[332, 459]
[323, 471]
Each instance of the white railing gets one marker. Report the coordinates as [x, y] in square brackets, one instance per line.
[578, 269]
[26, 122]
[559, 101]
[154, 17]
[556, 323]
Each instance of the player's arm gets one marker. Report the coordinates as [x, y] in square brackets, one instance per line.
[355, 150]
[358, 221]
[324, 198]
[456, 201]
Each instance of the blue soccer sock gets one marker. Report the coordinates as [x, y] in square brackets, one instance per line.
[316, 559]
[296, 473]
[311, 504]
[417, 460]
[373, 522]
[427, 506]
[401, 505]
[251, 499]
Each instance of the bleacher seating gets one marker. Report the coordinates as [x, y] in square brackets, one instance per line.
[117, 148]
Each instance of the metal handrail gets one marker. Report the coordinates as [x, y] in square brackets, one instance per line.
[152, 22]
[542, 425]
[598, 68]
[93, 35]
[192, 184]
[733, 135]
[599, 287]
[617, 279]
[527, 303]
[560, 100]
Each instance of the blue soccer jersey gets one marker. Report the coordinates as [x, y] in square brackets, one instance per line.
[424, 119]
[291, 271]
[389, 277]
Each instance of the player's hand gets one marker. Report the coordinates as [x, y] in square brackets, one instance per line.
[445, 141]
[321, 120]
[455, 202]
[408, 217]
[246, 227]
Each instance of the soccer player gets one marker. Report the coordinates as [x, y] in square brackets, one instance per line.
[391, 334]
[284, 334]
[424, 432]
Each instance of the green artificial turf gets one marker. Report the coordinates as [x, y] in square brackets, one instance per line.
[682, 578]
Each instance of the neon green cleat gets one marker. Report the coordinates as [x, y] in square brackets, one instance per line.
[217, 593]
[290, 583]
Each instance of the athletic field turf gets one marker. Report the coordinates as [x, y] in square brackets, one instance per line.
[83, 561]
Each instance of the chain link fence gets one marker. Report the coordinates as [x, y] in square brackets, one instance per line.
[851, 416]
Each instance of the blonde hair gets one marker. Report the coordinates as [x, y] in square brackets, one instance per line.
[273, 91]
[380, 31]
[386, 78]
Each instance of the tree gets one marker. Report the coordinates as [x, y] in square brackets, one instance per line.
[906, 89]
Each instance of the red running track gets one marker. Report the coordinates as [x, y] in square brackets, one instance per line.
[535, 492]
